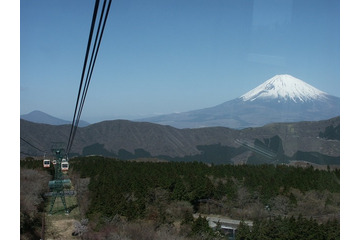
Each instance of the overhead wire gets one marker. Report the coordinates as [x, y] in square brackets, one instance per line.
[83, 91]
[27, 154]
[94, 56]
[92, 63]
[33, 145]
[83, 71]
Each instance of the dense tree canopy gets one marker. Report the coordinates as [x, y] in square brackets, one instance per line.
[123, 187]
[162, 191]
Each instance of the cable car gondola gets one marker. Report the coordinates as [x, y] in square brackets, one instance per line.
[46, 163]
[64, 166]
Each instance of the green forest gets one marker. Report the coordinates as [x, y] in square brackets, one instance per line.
[283, 202]
[220, 154]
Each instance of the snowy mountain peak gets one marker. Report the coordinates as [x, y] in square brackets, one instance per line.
[285, 88]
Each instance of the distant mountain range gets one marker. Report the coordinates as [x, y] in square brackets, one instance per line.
[315, 141]
[282, 98]
[41, 117]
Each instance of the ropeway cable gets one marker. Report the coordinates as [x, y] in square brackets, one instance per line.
[83, 72]
[92, 64]
[90, 68]
[96, 45]
[93, 57]
[33, 146]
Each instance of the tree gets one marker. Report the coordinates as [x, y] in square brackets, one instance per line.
[243, 231]
[201, 227]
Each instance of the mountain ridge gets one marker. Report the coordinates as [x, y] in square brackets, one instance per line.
[37, 116]
[239, 114]
[141, 139]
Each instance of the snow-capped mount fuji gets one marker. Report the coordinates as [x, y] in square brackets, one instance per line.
[282, 98]
[285, 88]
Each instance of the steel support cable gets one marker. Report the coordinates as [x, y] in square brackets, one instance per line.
[27, 154]
[94, 54]
[91, 67]
[33, 145]
[83, 71]
[90, 70]
[97, 42]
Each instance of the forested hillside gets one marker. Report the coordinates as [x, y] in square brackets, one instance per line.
[161, 198]
[316, 142]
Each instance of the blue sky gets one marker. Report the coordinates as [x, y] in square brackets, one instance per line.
[160, 57]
